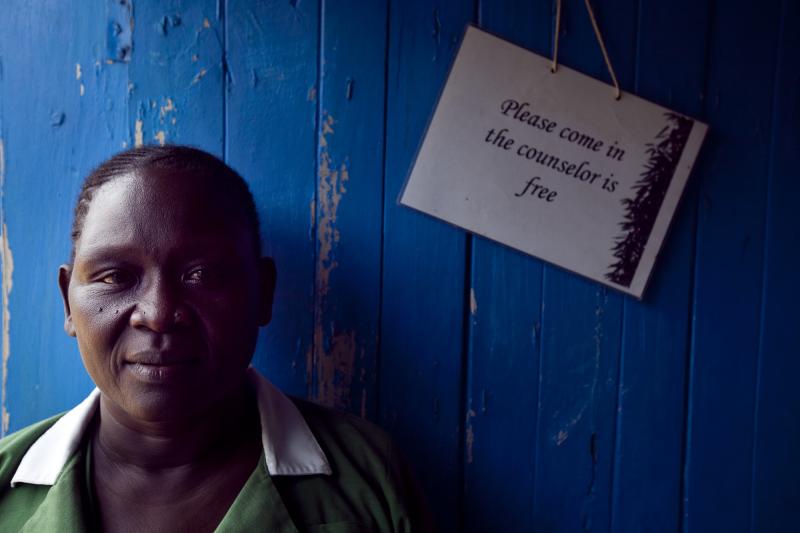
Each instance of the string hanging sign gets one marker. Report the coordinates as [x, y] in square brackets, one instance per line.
[549, 161]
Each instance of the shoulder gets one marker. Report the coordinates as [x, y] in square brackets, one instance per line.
[14, 446]
[370, 480]
[344, 435]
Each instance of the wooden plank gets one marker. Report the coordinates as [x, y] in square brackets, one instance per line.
[349, 204]
[272, 50]
[648, 453]
[776, 491]
[176, 74]
[423, 275]
[727, 295]
[581, 329]
[505, 321]
[61, 112]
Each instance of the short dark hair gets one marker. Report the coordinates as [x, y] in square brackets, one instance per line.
[231, 185]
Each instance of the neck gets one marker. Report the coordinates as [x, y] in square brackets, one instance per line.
[207, 437]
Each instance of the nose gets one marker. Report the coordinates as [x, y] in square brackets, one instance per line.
[159, 308]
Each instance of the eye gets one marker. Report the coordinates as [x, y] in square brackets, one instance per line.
[195, 276]
[115, 277]
[198, 276]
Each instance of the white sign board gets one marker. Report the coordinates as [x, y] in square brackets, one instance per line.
[552, 164]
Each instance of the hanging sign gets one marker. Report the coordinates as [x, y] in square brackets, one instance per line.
[552, 164]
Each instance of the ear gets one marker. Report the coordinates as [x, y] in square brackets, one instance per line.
[64, 275]
[268, 275]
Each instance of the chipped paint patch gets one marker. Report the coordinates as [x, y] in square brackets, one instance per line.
[312, 94]
[473, 303]
[168, 107]
[330, 192]
[206, 23]
[563, 434]
[78, 76]
[166, 114]
[199, 76]
[470, 436]
[8, 271]
[138, 135]
[312, 207]
[334, 356]
[7, 264]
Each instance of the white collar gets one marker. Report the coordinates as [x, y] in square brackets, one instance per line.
[290, 448]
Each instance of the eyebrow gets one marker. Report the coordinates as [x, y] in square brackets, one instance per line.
[192, 248]
[93, 253]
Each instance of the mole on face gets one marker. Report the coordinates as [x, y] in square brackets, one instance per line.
[188, 290]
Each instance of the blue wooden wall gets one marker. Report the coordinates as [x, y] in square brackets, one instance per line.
[527, 398]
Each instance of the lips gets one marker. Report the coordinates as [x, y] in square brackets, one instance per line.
[159, 358]
[160, 367]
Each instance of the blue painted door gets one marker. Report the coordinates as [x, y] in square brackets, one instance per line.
[526, 398]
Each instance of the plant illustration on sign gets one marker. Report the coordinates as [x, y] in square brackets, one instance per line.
[651, 188]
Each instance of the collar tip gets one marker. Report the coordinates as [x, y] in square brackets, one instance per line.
[301, 470]
[30, 481]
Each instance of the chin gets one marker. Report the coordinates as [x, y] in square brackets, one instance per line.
[162, 404]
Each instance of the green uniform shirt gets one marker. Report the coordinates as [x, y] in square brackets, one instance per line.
[369, 489]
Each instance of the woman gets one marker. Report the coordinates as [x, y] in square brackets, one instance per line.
[165, 292]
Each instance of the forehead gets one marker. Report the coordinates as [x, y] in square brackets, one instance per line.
[159, 210]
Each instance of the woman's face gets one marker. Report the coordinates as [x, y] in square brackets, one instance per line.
[165, 296]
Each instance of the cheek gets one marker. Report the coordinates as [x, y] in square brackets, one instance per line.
[231, 329]
[98, 323]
